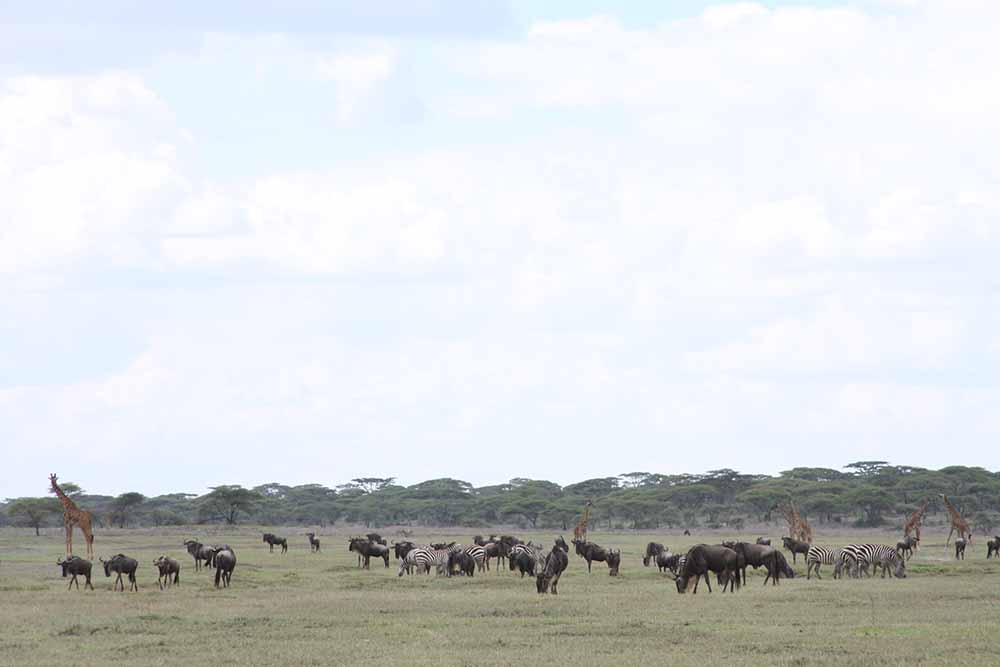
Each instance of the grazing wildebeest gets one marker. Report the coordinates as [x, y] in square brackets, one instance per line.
[993, 547]
[366, 549]
[653, 549]
[766, 541]
[201, 553]
[272, 539]
[74, 565]
[555, 563]
[121, 564]
[702, 559]
[783, 567]
[460, 562]
[960, 548]
[756, 555]
[169, 571]
[795, 546]
[590, 552]
[225, 563]
[402, 548]
[906, 546]
[313, 542]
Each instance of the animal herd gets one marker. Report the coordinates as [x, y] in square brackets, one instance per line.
[728, 561]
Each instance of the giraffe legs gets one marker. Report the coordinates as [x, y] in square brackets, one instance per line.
[69, 539]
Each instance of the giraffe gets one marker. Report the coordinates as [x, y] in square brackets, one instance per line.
[580, 532]
[913, 523]
[74, 516]
[798, 528]
[958, 524]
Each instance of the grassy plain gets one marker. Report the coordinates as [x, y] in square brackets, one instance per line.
[319, 609]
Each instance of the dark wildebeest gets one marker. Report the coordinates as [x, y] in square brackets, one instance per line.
[555, 563]
[665, 559]
[795, 546]
[121, 564]
[653, 549]
[960, 548]
[167, 567]
[766, 541]
[993, 547]
[614, 561]
[756, 555]
[74, 565]
[402, 548]
[462, 562]
[478, 540]
[200, 552]
[225, 563]
[687, 532]
[272, 539]
[560, 543]
[313, 542]
[906, 546]
[438, 546]
[367, 549]
[375, 537]
[591, 552]
[702, 559]
[522, 560]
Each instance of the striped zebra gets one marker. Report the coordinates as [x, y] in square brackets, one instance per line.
[862, 556]
[478, 553]
[525, 557]
[418, 558]
[818, 555]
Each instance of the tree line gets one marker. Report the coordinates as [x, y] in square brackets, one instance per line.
[863, 493]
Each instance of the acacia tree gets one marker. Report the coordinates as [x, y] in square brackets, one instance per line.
[227, 502]
[124, 505]
[33, 511]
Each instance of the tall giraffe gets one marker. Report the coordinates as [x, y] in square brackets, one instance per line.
[798, 528]
[958, 524]
[74, 516]
[580, 532]
[913, 522]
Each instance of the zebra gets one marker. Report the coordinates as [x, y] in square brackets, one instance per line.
[818, 555]
[419, 558]
[525, 557]
[478, 554]
[877, 556]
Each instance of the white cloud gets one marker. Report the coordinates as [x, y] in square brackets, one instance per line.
[357, 76]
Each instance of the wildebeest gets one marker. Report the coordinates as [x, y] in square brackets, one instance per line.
[795, 546]
[756, 555]
[271, 539]
[591, 552]
[366, 549]
[766, 541]
[167, 568]
[375, 537]
[201, 553]
[960, 548]
[442, 545]
[614, 561]
[121, 565]
[783, 567]
[663, 561]
[478, 539]
[653, 549]
[225, 563]
[555, 564]
[560, 543]
[523, 559]
[702, 559]
[74, 565]
[906, 546]
[313, 542]
[461, 562]
[993, 547]
[402, 548]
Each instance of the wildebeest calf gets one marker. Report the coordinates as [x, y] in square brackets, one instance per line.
[167, 567]
[555, 564]
[906, 546]
[960, 548]
[74, 565]
[313, 542]
[795, 546]
[614, 561]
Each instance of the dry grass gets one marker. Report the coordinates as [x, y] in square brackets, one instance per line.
[320, 609]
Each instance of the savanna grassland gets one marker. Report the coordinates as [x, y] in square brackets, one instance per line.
[320, 609]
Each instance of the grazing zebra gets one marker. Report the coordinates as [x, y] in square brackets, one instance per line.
[877, 556]
[818, 555]
[478, 553]
[419, 558]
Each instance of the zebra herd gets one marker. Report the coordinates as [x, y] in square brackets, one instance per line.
[855, 560]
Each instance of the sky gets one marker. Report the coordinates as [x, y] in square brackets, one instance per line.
[311, 241]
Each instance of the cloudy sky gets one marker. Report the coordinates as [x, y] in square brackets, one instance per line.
[305, 242]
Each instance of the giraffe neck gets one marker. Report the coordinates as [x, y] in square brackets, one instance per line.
[66, 501]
